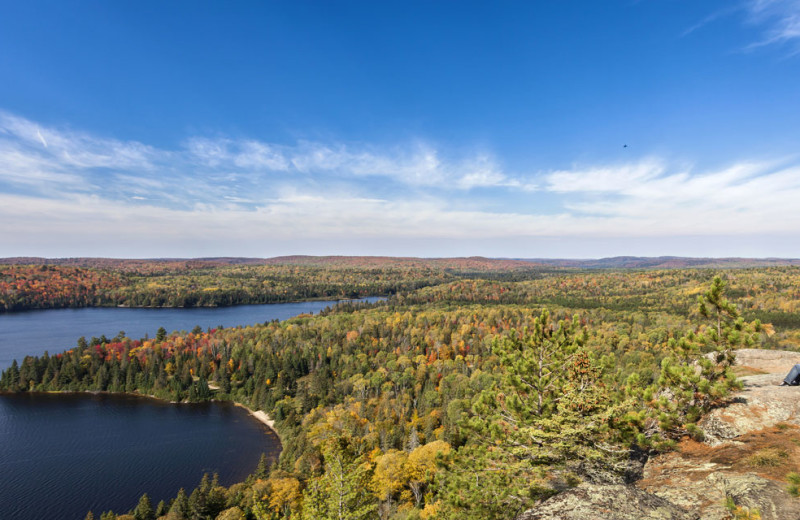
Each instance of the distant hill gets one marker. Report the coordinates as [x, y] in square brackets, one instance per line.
[662, 262]
[460, 264]
[473, 263]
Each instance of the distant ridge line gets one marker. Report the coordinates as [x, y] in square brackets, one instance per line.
[664, 262]
[472, 262]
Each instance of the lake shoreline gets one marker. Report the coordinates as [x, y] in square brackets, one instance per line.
[325, 299]
[261, 416]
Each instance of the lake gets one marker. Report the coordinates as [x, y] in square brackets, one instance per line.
[30, 333]
[64, 454]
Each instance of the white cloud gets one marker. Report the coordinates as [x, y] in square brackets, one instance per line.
[415, 165]
[777, 21]
[649, 197]
[604, 178]
[83, 189]
[75, 149]
[779, 18]
[239, 169]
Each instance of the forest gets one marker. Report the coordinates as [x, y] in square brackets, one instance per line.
[74, 283]
[466, 394]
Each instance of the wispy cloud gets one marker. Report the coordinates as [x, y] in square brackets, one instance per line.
[650, 196]
[418, 164]
[777, 22]
[63, 187]
[780, 20]
[206, 170]
[713, 17]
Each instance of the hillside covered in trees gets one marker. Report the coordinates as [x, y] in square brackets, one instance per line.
[468, 398]
[31, 283]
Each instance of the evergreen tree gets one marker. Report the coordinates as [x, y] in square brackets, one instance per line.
[10, 378]
[144, 509]
[198, 505]
[340, 492]
[217, 497]
[180, 507]
[542, 412]
[161, 509]
[262, 470]
[698, 376]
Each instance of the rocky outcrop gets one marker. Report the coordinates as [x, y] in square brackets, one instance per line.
[750, 446]
[700, 485]
[767, 361]
[609, 502]
[762, 403]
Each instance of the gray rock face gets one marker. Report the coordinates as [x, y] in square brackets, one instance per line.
[762, 403]
[769, 361]
[704, 487]
[767, 496]
[695, 481]
[610, 502]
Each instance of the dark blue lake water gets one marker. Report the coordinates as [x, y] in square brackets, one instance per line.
[64, 454]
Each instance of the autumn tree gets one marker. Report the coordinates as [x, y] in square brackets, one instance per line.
[421, 467]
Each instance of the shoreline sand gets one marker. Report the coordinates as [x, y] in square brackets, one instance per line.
[261, 416]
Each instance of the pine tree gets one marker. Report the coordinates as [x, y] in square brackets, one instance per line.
[198, 505]
[547, 408]
[180, 507]
[697, 376]
[340, 493]
[144, 509]
[262, 470]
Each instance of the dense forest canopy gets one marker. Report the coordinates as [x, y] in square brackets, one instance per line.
[219, 282]
[466, 394]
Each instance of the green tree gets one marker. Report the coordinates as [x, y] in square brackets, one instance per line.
[340, 493]
[180, 507]
[547, 408]
[198, 505]
[262, 470]
[144, 509]
[697, 375]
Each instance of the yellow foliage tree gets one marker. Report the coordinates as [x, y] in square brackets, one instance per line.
[421, 467]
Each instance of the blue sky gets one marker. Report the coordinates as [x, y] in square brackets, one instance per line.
[186, 129]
